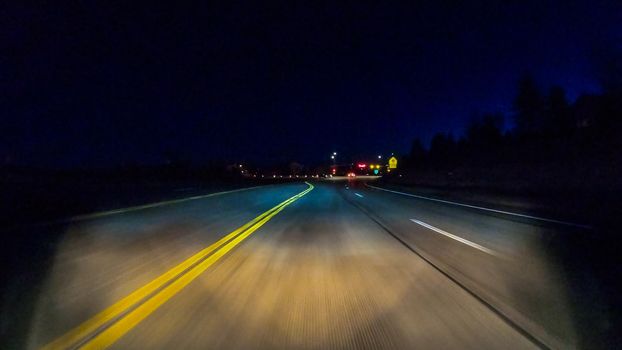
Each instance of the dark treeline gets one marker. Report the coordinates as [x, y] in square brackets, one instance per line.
[553, 144]
[560, 158]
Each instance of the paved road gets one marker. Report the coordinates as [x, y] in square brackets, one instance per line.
[313, 266]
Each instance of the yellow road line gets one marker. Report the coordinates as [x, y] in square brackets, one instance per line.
[99, 320]
[116, 331]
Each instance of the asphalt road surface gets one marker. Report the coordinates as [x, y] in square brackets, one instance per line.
[303, 266]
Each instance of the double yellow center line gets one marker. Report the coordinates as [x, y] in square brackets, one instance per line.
[105, 328]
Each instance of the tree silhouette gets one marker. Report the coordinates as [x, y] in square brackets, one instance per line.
[528, 107]
[417, 152]
[443, 148]
[608, 66]
[555, 145]
[485, 131]
[558, 120]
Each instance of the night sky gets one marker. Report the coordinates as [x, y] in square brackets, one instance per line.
[101, 84]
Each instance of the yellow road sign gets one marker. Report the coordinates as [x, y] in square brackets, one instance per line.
[392, 163]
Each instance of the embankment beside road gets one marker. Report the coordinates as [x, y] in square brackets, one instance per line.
[33, 196]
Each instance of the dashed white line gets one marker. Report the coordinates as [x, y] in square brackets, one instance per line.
[487, 209]
[459, 239]
[360, 195]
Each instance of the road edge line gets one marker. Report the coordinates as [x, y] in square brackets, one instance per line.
[555, 221]
[101, 214]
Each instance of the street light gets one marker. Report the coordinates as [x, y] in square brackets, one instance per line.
[379, 157]
[334, 166]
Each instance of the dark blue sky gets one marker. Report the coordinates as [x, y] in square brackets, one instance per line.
[96, 83]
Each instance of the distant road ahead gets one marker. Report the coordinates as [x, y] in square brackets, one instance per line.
[315, 266]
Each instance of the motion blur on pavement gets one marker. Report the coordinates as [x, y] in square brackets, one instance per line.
[311, 176]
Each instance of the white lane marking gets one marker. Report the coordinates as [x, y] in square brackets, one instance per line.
[459, 239]
[125, 210]
[487, 209]
[360, 195]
